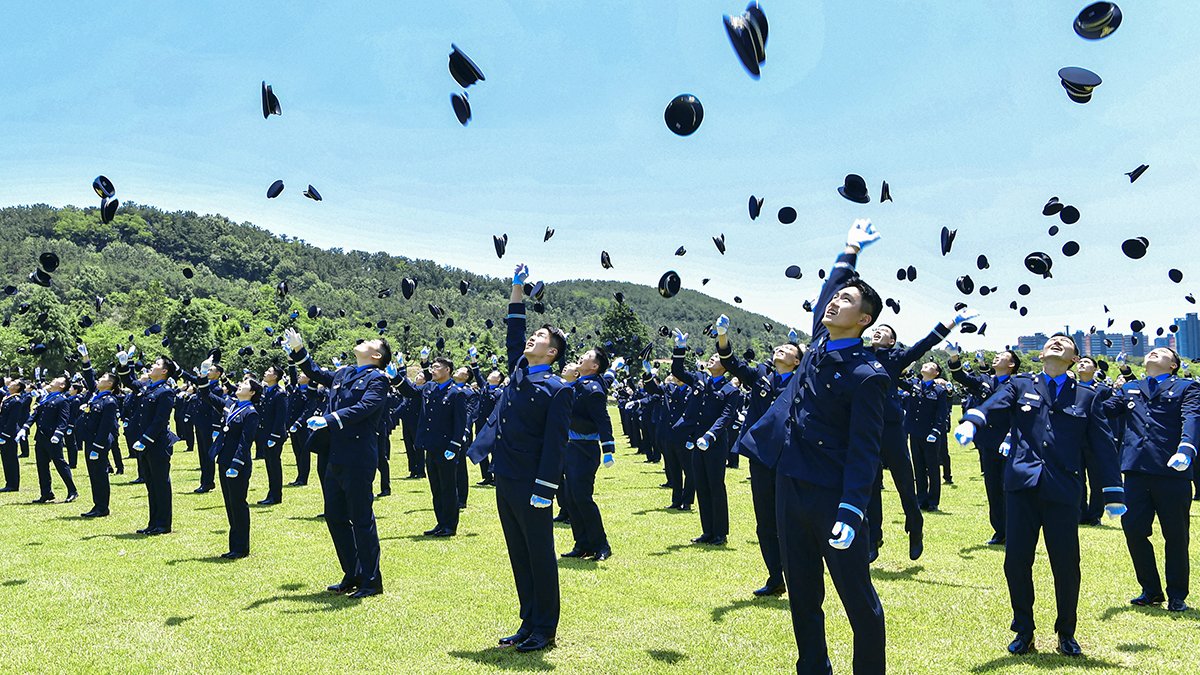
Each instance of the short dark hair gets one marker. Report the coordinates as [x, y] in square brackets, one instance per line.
[938, 366]
[171, 367]
[1178, 361]
[871, 304]
[560, 340]
[602, 359]
[1074, 345]
[20, 383]
[889, 327]
[385, 352]
[1015, 357]
[278, 371]
[1088, 358]
[256, 387]
[444, 361]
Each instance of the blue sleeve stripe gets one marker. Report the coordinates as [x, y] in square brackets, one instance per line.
[515, 316]
[851, 509]
[1114, 489]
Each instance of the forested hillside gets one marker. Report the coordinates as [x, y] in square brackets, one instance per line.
[137, 264]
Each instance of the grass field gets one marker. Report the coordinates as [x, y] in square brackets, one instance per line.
[92, 596]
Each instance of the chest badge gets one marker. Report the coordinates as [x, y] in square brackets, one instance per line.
[1026, 408]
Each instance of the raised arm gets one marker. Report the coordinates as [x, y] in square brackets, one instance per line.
[514, 341]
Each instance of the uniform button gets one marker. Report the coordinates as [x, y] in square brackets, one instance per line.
[1045, 444]
[503, 420]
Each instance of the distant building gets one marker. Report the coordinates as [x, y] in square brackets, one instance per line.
[1188, 337]
[1032, 343]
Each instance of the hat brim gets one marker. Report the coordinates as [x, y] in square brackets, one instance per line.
[462, 108]
[743, 43]
[1101, 30]
[859, 199]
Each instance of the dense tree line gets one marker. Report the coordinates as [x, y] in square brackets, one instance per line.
[136, 265]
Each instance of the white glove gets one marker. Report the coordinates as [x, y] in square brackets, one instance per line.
[861, 235]
[1115, 510]
[82, 350]
[1005, 446]
[293, 429]
[70, 431]
[931, 438]
[520, 274]
[843, 536]
[215, 434]
[55, 440]
[680, 339]
[132, 350]
[206, 366]
[965, 433]
[472, 353]
[21, 435]
[722, 325]
[270, 444]
[337, 363]
[793, 336]
[123, 357]
[449, 455]
[494, 359]
[608, 460]
[3, 440]
[689, 445]
[231, 473]
[1179, 461]
[424, 354]
[139, 446]
[391, 370]
[1121, 357]
[648, 367]
[317, 422]
[702, 442]
[536, 501]
[93, 455]
[952, 347]
[399, 360]
[292, 339]
[964, 314]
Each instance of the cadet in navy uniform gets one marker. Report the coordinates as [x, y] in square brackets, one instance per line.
[765, 382]
[52, 416]
[929, 413]
[590, 444]
[14, 410]
[822, 436]
[526, 436]
[306, 399]
[184, 429]
[96, 432]
[462, 378]
[895, 448]
[441, 433]
[231, 450]
[705, 422]
[357, 402]
[989, 438]
[409, 412]
[204, 421]
[672, 398]
[76, 396]
[130, 412]
[1161, 415]
[272, 425]
[1055, 423]
[1091, 501]
[155, 440]
[489, 393]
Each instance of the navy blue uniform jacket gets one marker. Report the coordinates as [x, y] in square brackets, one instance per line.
[354, 410]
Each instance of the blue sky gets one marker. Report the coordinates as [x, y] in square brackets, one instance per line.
[956, 104]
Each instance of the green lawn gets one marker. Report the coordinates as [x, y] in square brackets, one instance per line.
[83, 595]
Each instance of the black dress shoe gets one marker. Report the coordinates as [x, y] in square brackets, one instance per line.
[44, 499]
[1147, 599]
[996, 540]
[71, 497]
[674, 507]
[435, 530]
[8, 489]
[462, 507]
[562, 518]
[94, 514]
[384, 493]
[155, 531]
[144, 530]
[703, 539]
[516, 638]
[916, 543]
[268, 502]
[535, 643]
[1067, 646]
[344, 586]
[203, 489]
[443, 532]
[1022, 644]
[770, 589]
[685, 507]
[138, 481]
[366, 592]
[1176, 606]
[873, 555]
[602, 555]
[576, 553]
[718, 541]
[948, 480]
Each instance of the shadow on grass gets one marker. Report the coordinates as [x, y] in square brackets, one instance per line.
[1154, 611]
[771, 602]
[669, 656]
[1050, 661]
[306, 518]
[324, 600]
[910, 574]
[176, 620]
[212, 559]
[965, 552]
[122, 535]
[1135, 648]
[703, 548]
[209, 508]
[669, 512]
[412, 511]
[506, 658]
[578, 564]
[14, 582]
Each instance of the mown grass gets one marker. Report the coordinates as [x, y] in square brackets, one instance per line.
[91, 596]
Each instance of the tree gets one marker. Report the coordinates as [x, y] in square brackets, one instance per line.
[621, 327]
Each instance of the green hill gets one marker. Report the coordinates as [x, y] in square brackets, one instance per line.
[136, 264]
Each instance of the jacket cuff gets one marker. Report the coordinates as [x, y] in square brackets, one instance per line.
[335, 417]
[1187, 449]
[976, 417]
[850, 515]
[1114, 495]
